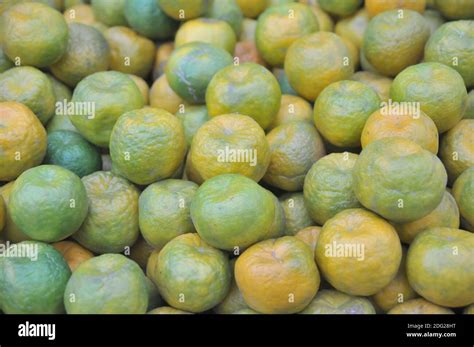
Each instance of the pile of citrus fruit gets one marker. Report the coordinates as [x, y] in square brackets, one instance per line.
[237, 156]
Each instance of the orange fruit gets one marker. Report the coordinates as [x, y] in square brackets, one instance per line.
[438, 89]
[277, 275]
[130, 52]
[457, 149]
[294, 148]
[315, 61]
[229, 143]
[358, 252]
[341, 111]
[452, 44]
[397, 291]
[416, 127]
[209, 30]
[23, 140]
[296, 213]
[328, 186]
[446, 214]
[439, 266]
[293, 108]
[398, 179]
[248, 89]
[279, 26]
[400, 33]
[164, 97]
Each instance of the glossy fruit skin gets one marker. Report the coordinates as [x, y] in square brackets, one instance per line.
[248, 89]
[162, 96]
[73, 253]
[277, 30]
[456, 150]
[397, 290]
[113, 93]
[419, 306]
[453, 42]
[232, 212]
[341, 110]
[296, 213]
[107, 284]
[111, 14]
[328, 186]
[455, 9]
[334, 302]
[346, 272]
[147, 145]
[20, 132]
[160, 225]
[463, 191]
[438, 88]
[31, 87]
[71, 151]
[294, 148]
[191, 275]
[416, 127]
[33, 285]
[110, 225]
[446, 214]
[37, 34]
[388, 35]
[48, 203]
[380, 84]
[277, 276]
[87, 52]
[353, 27]
[219, 138]
[292, 108]
[209, 30]
[375, 7]
[226, 10]
[192, 118]
[184, 10]
[439, 266]
[126, 46]
[148, 19]
[398, 179]
[315, 61]
[191, 68]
